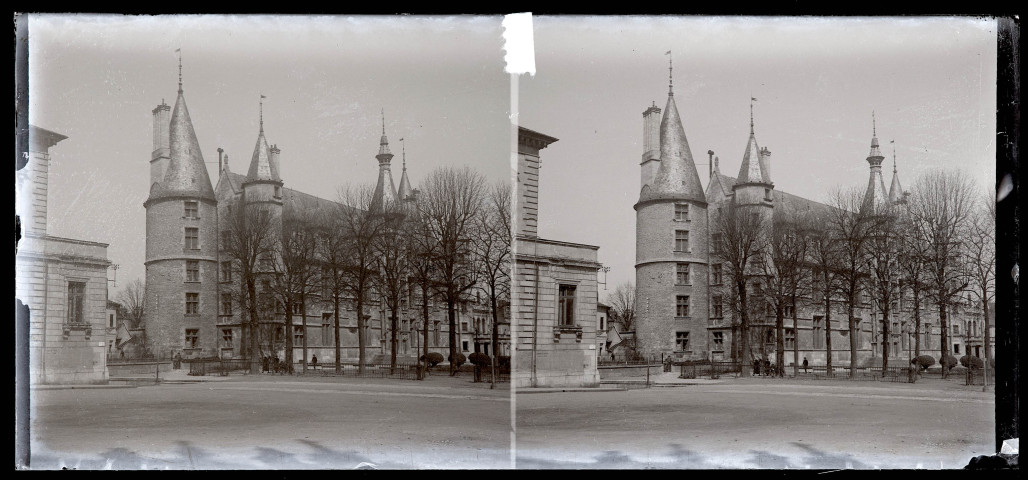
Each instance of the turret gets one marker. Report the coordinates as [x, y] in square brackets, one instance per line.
[895, 190]
[754, 188]
[385, 191]
[405, 192]
[875, 195]
[263, 185]
[671, 248]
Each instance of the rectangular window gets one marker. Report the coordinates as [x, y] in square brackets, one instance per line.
[682, 212]
[464, 326]
[192, 304]
[683, 306]
[602, 325]
[819, 332]
[192, 270]
[682, 341]
[682, 277]
[76, 302]
[956, 348]
[192, 337]
[226, 337]
[192, 238]
[110, 320]
[226, 271]
[226, 239]
[464, 345]
[790, 338]
[715, 242]
[192, 209]
[435, 335]
[718, 306]
[716, 274]
[326, 328]
[956, 329]
[226, 304]
[297, 334]
[297, 308]
[719, 341]
[681, 240]
[790, 310]
[566, 306]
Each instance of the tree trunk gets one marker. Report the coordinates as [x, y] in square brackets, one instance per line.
[289, 336]
[392, 341]
[335, 302]
[744, 327]
[495, 339]
[917, 323]
[985, 324]
[943, 330]
[303, 325]
[795, 341]
[886, 332]
[451, 312]
[828, 334]
[360, 334]
[853, 334]
[779, 339]
[255, 362]
[424, 312]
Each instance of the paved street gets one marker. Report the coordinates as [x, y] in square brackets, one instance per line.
[758, 423]
[275, 422]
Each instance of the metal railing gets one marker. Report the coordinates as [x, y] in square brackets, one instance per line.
[217, 366]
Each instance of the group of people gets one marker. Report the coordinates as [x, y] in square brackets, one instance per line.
[273, 365]
[764, 367]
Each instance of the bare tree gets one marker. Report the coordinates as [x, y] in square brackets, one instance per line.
[823, 256]
[850, 224]
[493, 248]
[450, 204]
[942, 202]
[295, 272]
[421, 267]
[250, 236]
[912, 265]
[783, 272]
[981, 259]
[360, 227]
[622, 304]
[391, 281]
[736, 241]
[133, 299]
[332, 252]
[883, 265]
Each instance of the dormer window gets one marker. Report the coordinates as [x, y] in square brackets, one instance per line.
[278, 191]
[767, 194]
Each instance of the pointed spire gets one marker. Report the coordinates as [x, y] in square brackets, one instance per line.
[261, 165]
[405, 192]
[179, 51]
[875, 195]
[895, 190]
[676, 178]
[186, 175]
[754, 168]
[385, 191]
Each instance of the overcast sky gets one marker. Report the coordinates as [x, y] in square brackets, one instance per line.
[930, 81]
[96, 79]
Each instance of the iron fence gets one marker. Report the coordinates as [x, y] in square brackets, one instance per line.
[401, 371]
[217, 366]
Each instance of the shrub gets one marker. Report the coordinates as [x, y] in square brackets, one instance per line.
[459, 360]
[503, 361]
[958, 370]
[480, 359]
[948, 361]
[975, 362]
[923, 361]
[434, 358]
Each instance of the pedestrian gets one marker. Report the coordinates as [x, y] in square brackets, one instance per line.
[264, 363]
[314, 361]
[756, 366]
[805, 364]
[767, 367]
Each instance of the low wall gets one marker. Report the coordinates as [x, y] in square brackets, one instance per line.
[136, 369]
[608, 372]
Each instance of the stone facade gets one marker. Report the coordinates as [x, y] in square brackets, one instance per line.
[554, 292]
[63, 281]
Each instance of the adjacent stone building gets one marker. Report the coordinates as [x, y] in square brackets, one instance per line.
[194, 303]
[554, 291]
[63, 281]
[683, 292]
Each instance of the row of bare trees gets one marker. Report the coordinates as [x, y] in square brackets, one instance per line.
[934, 247]
[453, 239]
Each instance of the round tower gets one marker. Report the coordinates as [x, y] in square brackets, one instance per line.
[181, 241]
[671, 250]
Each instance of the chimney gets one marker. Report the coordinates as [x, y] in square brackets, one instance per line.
[710, 163]
[273, 158]
[161, 142]
[651, 144]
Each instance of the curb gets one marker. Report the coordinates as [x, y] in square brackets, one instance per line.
[570, 389]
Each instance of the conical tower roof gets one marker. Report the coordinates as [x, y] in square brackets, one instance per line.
[754, 168]
[186, 175]
[677, 177]
[405, 192]
[261, 166]
[895, 190]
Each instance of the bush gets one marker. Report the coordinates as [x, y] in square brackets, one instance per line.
[948, 361]
[459, 360]
[503, 361]
[480, 359]
[434, 358]
[923, 361]
[958, 370]
[975, 362]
